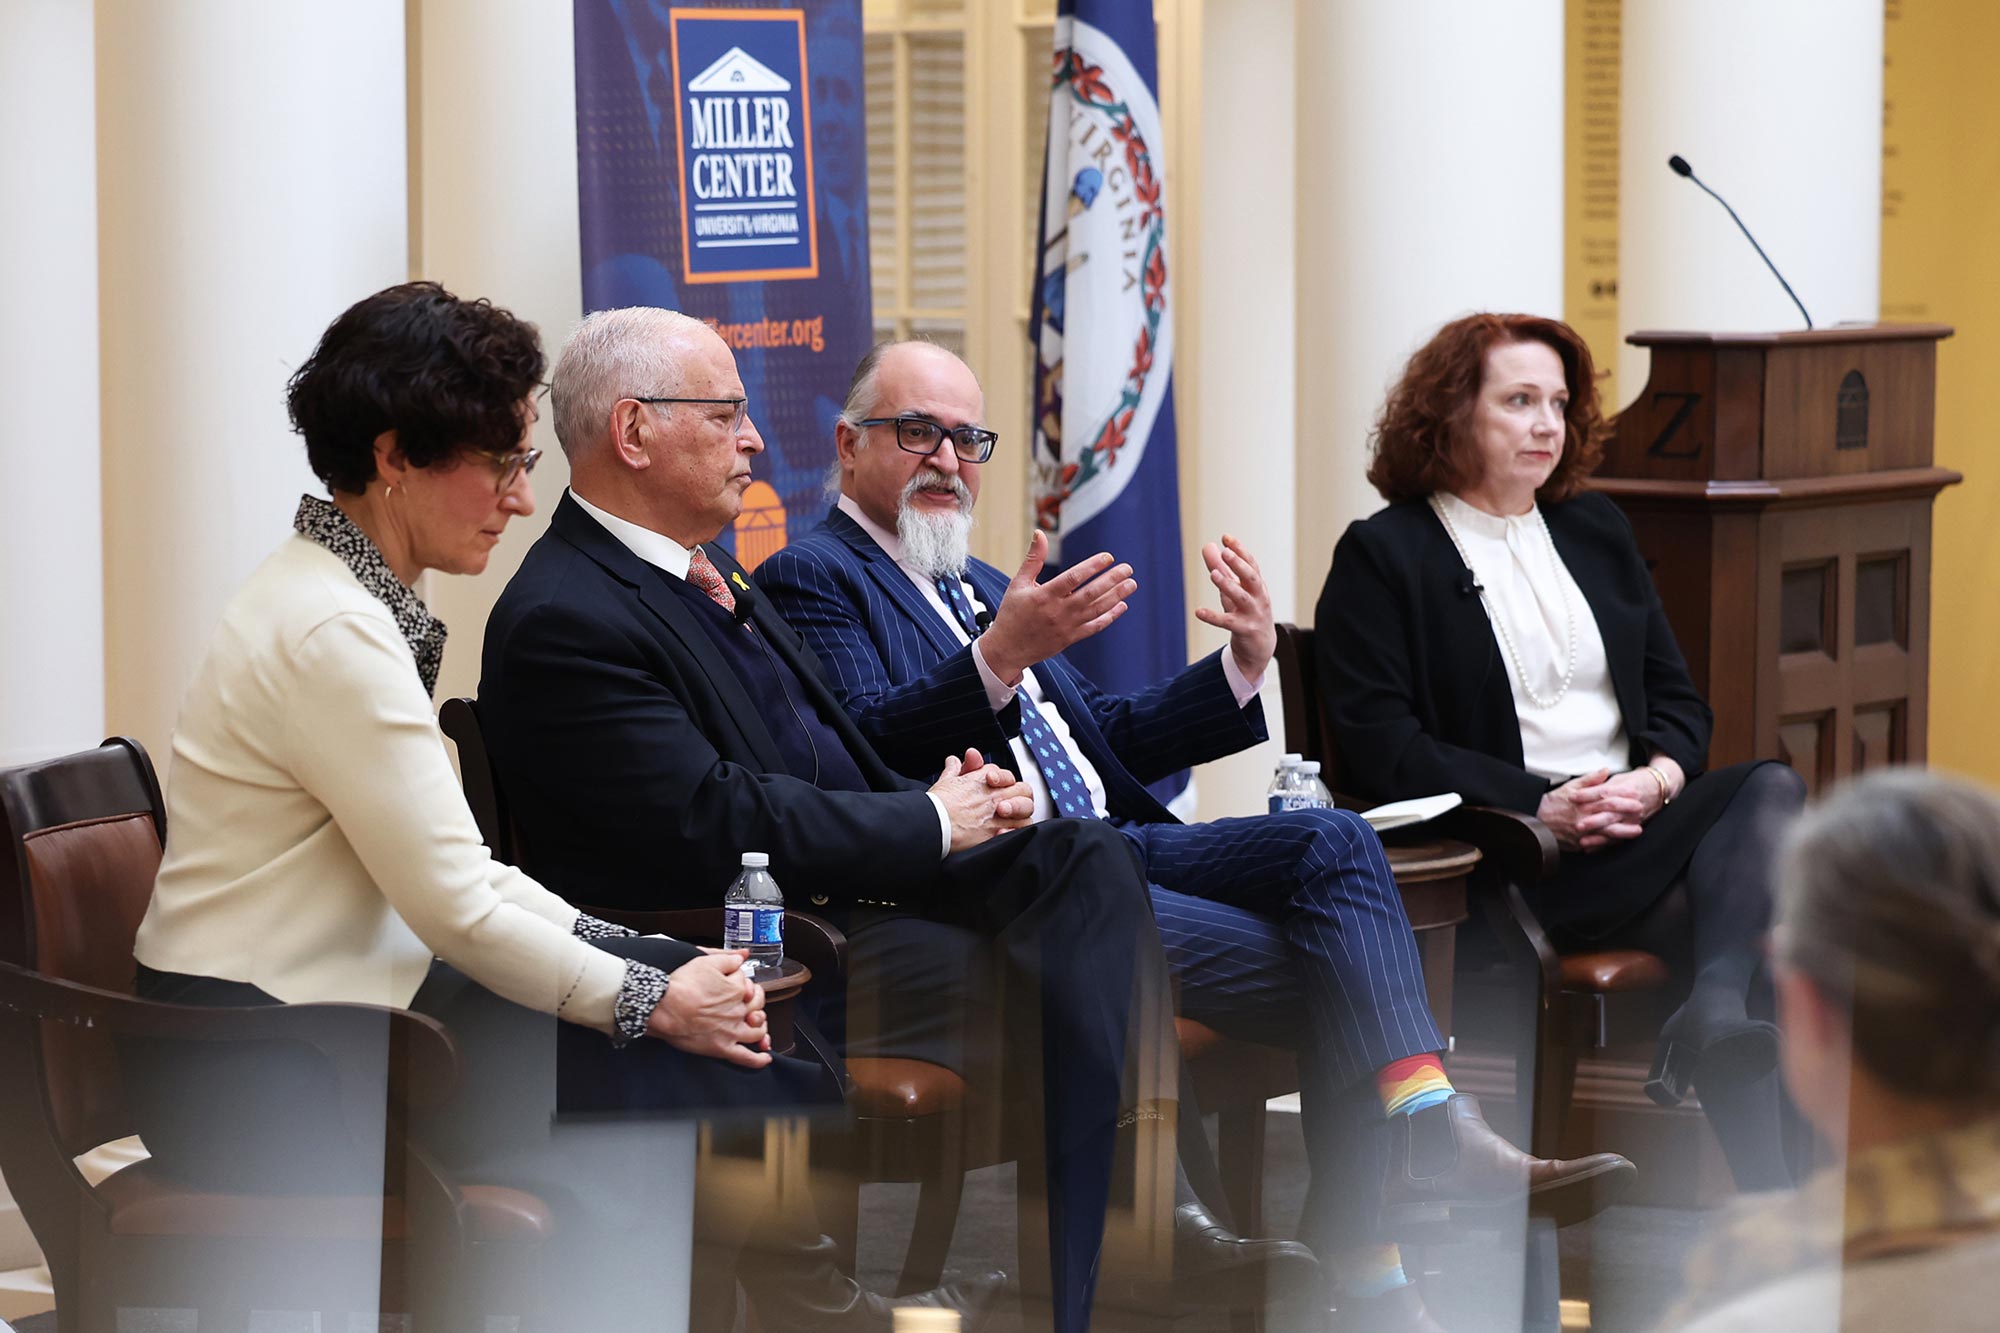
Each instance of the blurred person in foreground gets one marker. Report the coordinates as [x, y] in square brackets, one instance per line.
[320, 848]
[1888, 971]
[1495, 632]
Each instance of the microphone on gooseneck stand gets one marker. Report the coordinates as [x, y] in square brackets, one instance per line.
[1681, 168]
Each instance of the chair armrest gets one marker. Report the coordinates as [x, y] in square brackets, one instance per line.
[1519, 846]
[818, 944]
[364, 1043]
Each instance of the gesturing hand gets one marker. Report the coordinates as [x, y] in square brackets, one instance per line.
[1590, 812]
[982, 799]
[1246, 605]
[711, 1008]
[1035, 621]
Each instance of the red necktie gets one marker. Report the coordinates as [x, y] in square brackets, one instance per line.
[703, 574]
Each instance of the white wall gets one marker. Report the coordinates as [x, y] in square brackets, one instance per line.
[52, 673]
[52, 679]
[1778, 107]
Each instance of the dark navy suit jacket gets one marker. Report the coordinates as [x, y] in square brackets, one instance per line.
[639, 765]
[916, 694]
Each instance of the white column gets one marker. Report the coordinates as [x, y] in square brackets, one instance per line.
[253, 185]
[51, 550]
[1430, 161]
[1243, 434]
[1778, 107]
[497, 210]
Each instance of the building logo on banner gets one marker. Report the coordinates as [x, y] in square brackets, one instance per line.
[1104, 269]
[743, 125]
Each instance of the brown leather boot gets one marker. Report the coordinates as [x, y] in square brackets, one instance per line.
[1448, 1169]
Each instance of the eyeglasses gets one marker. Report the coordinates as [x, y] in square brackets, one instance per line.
[508, 467]
[920, 435]
[741, 405]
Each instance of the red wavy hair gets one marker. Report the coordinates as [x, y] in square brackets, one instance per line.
[1422, 440]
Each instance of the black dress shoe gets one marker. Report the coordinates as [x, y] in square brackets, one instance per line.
[1710, 1037]
[799, 1289]
[1449, 1169]
[1213, 1266]
[1398, 1311]
[975, 1299]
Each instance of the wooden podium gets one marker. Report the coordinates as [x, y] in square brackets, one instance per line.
[1781, 486]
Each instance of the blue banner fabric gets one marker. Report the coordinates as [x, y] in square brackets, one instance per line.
[1103, 475]
[721, 171]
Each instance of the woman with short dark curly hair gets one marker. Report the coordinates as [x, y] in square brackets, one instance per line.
[1495, 632]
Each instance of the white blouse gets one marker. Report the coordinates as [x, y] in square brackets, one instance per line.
[1531, 599]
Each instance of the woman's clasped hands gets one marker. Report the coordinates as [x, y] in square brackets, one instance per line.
[1597, 809]
[713, 1008]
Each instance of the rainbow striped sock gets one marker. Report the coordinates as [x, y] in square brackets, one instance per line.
[1368, 1271]
[1412, 1085]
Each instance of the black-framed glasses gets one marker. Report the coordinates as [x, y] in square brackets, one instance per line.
[742, 406]
[508, 467]
[921, 435]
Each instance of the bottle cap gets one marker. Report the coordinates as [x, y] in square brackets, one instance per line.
[756, 860]
[1309, 767]
[1291, 761]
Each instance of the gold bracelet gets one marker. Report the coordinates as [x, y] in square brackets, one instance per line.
[1666, 790]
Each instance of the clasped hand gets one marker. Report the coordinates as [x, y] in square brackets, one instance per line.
[982, 799]
[1593, 811]
[713, 1008]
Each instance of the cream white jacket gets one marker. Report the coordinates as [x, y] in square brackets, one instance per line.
[318, 843]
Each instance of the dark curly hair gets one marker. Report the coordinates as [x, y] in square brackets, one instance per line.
[443, 373]
[1423, 439]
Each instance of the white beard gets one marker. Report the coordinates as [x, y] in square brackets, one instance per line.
[934, 544]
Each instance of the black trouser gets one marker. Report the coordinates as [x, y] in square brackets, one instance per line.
[1036, 969]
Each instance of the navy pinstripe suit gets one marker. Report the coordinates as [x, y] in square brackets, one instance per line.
[1262, 918]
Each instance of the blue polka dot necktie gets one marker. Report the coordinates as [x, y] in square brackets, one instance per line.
[1065, 784]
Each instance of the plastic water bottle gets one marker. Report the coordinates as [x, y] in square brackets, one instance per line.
[1317, 797]
[1282, 783]
[753, 913]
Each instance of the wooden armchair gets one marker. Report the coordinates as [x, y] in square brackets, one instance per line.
[83, 835]
[1575, 991]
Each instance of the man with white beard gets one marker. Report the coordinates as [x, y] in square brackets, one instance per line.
[1266, 920]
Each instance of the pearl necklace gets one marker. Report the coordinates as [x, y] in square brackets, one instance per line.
[1499, 622]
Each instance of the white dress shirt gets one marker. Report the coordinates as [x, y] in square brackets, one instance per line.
[1529, 590]
[999, 694]
[664, 553]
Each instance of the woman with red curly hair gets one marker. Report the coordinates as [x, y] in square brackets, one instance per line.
[1494, 632]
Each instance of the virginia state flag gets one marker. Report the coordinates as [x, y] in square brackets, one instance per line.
[1103, 468]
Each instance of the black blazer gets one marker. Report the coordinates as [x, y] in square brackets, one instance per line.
[638, 766]
[1417, 685]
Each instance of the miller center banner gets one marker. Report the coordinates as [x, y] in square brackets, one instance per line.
[1104, 474]
[721, 172]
